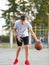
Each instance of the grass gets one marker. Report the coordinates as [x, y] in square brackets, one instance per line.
[7, 45]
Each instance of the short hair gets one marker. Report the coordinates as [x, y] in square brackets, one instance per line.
[22, 17]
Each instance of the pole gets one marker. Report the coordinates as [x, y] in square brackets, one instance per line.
[11, 32]
[48, 30]
[11, 39]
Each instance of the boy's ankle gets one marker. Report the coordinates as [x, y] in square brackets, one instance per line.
[16, 59]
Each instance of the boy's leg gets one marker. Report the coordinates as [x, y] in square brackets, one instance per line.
[17, 55]
[27, 55]
[26, 44]
[19, 44]
[18, 51]
[26, 51]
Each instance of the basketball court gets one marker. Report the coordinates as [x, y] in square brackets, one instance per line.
[7, 56]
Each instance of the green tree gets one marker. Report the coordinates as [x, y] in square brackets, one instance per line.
[13, 8]
[42, 7]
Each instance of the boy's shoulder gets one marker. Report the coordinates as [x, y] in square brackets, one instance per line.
[27, 22]
[17, 21]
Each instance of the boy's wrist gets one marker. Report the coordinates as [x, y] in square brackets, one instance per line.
[16, 35]
[36, 40]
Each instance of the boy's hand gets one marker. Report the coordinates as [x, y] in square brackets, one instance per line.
[38, 41]
[19, 39]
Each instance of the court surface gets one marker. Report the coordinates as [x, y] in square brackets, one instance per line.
[7, 56]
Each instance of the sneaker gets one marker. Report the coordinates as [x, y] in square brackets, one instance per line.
[15, 62]
[27, 62]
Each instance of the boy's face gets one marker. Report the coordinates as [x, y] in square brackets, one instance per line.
[23, 18]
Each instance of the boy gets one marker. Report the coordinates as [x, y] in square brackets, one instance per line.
[21, 29]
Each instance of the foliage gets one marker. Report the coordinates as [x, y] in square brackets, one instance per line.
[42, 8]
[26, 7]
[6, 14]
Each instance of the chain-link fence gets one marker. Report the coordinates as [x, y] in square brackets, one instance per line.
[42, 34]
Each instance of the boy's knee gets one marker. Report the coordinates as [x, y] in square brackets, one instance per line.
[26, 46]
[19, 47]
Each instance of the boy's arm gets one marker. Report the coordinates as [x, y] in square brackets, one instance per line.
[15, 33]
[14, 30]
[34, 36]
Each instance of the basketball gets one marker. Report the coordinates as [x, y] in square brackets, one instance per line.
[38, 46]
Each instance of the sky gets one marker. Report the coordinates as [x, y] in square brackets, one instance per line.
[2, 21]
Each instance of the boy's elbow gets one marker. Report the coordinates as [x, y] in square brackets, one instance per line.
[14, 29]
[31, 31]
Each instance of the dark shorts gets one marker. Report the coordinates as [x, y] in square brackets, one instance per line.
[25, 40]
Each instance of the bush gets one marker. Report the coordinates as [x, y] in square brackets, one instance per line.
[4, 39]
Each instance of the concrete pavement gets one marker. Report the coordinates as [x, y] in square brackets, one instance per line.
[7, 56]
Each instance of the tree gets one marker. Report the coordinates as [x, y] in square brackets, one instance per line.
[42, 7]
[13, 8]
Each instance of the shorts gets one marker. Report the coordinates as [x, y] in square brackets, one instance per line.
[25, 40]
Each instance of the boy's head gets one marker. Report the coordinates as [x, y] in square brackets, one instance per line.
[22, 17]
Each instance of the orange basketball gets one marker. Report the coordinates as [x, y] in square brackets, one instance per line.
[38, 46]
